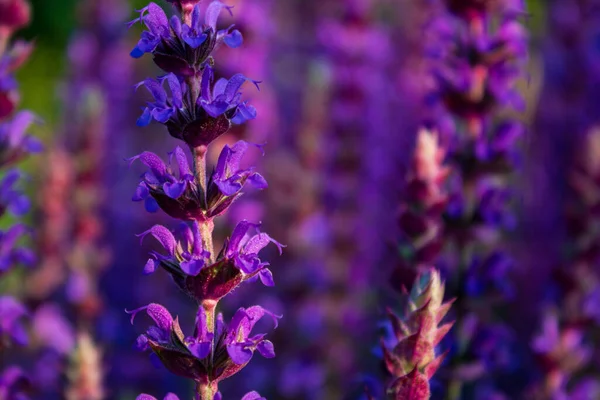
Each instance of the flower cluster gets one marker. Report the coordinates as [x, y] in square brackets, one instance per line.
[197, 110]
[477, 56]
[412, 358]
[420, 218]
[15, 144]
[564, 344]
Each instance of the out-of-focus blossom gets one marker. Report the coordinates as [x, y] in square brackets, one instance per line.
[11, 327]
[85, 371]
[413, 359]
[14, 384]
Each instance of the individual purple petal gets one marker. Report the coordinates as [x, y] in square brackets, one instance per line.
[174, 189]
[258, 181]
[234, 39]
[266, 277]
[141, 192]
[192, 267]
[266, 349]
[161, 316]
[253, 396]
[151, 205]
[145, 118]
[145, 397]
[212, 13]
[244, 113]
[182, 162]
[164, 236]
[200, 350]
[239, 353]
[151, 266]
[155, 163]
[171, 396]
[156, 19]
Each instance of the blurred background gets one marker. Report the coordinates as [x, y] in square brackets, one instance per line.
[339, 109]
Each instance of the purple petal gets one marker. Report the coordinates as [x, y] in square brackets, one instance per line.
[244, 113]
[266, 277]
[151, 205]
[176, 25]
[174, 190]
[171, 396]
[239, 353]
[219, 87]
[234, 39]
[196, 20]
[141, 192]
[193, 267]
[200, 350]
[164, 236]
[144, 396]
[212, 13]
[253, 396]
[240, 230]
[258, 181]
[266, 349]
[176, 93]
[182, 162]
[161, 316]
[207, 78]
[151, 266]
[145, 118]
[233, 86]
[152, 161]
[156, 19]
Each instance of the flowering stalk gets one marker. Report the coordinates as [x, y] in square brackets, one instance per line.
[480, 49]
[15, 144]
[198, 112]
[564, 344]
[412, 359]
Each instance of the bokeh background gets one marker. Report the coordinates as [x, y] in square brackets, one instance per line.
[338, 109]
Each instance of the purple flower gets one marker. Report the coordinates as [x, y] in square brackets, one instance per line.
[183, 48]
[180, 197]
[189, 356]
[11, 312]
[13, 383]
[197, 120]
[10, 254]
[12, 199]
[53, 329]
[189, 264]
[14, 143]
